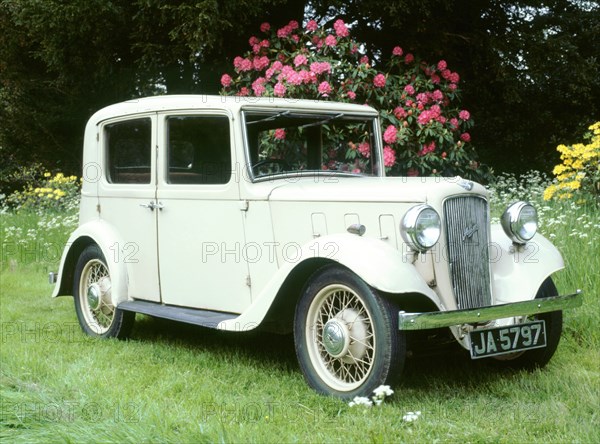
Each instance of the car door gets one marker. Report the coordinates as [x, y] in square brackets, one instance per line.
[200, 226]
[126, 192]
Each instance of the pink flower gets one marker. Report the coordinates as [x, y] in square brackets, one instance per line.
[379, 81]
[356, 170]
[351, 95]
[243, 91]
[465, 137]
[399, 112]
[341, 30]
[442, 65]
[253, 41]
[454, 123]
[409, 58]
[435, 79]
[364, 60]
[330, 40]
[397, 51]
[226, 80]
[241, 64]
[294, 78]
[464, 115]
[293, 24]
[312, 26]
[258, 86]
[437, 95]
[269, 73]
[284, 32]
[446, 73]
[389, 156]
[300, 60]
[277, 65]
[260, 63]
[279, 89]
[452, 87]
[324, 89]
[265, 27]
[454, 77]
[408, 89]
[280, 134]
[365, 149]
[320, 67]
[390, 135]
[427, 148]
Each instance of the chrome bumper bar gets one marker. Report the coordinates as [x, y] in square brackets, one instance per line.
[437, 319]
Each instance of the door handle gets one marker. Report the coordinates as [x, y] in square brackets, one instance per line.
[152, 205]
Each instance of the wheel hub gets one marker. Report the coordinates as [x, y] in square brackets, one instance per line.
[94, 296]
[336, 338]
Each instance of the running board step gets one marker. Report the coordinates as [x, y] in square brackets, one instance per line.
[205, 318]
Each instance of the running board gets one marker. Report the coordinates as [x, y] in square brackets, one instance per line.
[205, 318]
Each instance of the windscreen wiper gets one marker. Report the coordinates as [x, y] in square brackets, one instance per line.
[268, 119]
[321, 122]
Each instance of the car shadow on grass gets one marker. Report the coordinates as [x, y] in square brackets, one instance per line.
[449, 367]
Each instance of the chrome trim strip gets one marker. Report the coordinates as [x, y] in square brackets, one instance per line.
[437, 319]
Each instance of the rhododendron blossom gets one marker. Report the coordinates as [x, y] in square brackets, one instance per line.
[390, 135]
[279, 89]
[379, 81]
[312, 26]
[324, 89]
[424, 128]
[300, 60]
[226, 80]
[330, 40]
[280, 134]
[341, 30]
[364, 148]
[389, 156]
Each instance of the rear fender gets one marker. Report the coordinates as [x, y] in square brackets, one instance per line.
[104, 235]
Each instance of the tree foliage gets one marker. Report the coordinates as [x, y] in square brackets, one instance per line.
[529, 69]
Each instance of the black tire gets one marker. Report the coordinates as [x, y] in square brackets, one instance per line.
[91, 292]
[539, 357]
[363, 348]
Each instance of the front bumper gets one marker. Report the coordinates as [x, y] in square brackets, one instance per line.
[437, 319]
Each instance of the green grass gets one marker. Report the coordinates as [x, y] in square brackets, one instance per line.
[177, 383]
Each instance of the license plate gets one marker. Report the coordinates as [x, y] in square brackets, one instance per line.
[510, 339]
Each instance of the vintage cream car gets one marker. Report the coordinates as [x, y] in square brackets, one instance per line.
[245, 213]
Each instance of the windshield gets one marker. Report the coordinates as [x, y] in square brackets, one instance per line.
[293, 142]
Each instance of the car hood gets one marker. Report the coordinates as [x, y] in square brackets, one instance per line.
[373, 189]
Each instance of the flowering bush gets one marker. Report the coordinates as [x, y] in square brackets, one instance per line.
[424, 129]
[58, 193]
[579, 172]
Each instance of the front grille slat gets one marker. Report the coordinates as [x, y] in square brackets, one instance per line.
[467, 236]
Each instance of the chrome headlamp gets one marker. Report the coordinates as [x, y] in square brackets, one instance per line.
[520, 222]
[421, 227]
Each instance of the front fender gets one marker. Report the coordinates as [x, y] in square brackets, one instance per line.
[518, 271]
[104, 235]
[379, 265]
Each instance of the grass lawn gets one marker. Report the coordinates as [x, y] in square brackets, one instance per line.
[178, 383]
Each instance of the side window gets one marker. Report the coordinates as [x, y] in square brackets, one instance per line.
[129, 151]
[198, 150]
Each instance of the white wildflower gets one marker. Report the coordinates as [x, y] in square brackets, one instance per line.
[411, 416]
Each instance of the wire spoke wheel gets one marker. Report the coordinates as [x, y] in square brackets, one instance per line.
[346, 335]
[92, 291]
[341, 338]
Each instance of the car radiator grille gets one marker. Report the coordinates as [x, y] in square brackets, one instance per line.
[467, 235]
